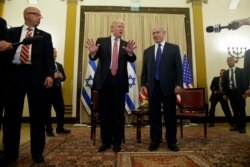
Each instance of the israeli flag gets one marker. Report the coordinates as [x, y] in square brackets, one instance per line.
[132, 97]
[87, 84]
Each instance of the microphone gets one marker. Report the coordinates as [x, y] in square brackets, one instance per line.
[28, 41]
[217, 28]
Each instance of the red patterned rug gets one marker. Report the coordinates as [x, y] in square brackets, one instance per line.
[161, 159]
[221, 148]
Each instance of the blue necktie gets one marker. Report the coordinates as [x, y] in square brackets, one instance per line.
[157, 61]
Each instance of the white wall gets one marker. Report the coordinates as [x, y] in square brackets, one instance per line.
[215, 12]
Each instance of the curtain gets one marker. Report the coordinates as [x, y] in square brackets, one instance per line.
[138, 27]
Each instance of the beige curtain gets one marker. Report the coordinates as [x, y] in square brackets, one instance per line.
[138, 27]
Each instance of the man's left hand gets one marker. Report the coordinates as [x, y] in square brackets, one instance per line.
[130, 47]
[48, 82]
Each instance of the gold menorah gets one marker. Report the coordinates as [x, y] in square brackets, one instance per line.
[237, 52]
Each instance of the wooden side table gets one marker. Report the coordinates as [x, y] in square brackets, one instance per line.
[139, 113]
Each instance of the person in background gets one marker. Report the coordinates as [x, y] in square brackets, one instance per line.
[161, 77]
[4, 45]
[31, 73]
[216, 97]
[56, 100]
[247, 71]
[233, 88]
[111, 81]
[240, 22]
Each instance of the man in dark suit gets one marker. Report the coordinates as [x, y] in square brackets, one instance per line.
[111, 80]
[162, 77]
[233, 88]
[31, 73]
[56, 99]
[216, 97]
[247, 70]
[4, 45]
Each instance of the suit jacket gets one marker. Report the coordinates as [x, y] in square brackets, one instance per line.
[103, 67]
[247, 68]
[3, 28]
[60, 69]
[3, 58]
[239, 79]
[170, 69]
[42, 61]
[215, 86]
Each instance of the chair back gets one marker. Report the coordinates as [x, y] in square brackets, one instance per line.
[193, 99]
[95, 99]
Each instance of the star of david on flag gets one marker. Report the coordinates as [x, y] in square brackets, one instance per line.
[132, 97]
[87, 84]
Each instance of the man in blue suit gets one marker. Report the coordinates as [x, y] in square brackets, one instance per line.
[162, 77]
[111, 81]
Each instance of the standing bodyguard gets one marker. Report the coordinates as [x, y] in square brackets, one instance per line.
[56, 100]
[233, 88]
[216, 97]
[30, 74]
[162, 77]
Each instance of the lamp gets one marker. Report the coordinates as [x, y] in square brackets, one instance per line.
[236, 52]
[33, 2]
[135, 5]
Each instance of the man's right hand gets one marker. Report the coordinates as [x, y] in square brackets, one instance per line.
[5, 46]
[91, 45]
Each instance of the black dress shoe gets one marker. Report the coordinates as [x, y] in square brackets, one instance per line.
[64, 131]
[211, 125]
[234, 129]
[153, 146]
[38, 158]
[117, 148]
[243, 130]
[7, 160]
[103, 147]
[173, 147]
[50, 134]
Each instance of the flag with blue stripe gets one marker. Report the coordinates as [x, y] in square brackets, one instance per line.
[87, 84]
[132, 97]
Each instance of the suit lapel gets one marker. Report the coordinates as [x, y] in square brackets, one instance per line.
[165, 50]
[108, 45]
[152, 56]
[37, 32]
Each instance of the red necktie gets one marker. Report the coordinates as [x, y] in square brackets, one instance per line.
[114, 64]
[24, 55]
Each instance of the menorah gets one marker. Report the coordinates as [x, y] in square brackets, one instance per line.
[236, 52]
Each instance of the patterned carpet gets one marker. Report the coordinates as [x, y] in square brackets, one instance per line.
[221, 148]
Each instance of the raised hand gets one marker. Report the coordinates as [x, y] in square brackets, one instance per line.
[91, 45]
[130, 47]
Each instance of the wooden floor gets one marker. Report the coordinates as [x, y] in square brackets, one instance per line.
[25, 131]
